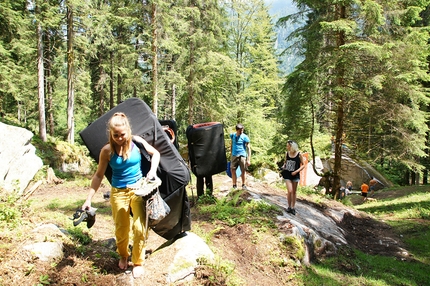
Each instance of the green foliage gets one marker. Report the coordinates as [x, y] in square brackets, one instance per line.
[216, 61]
[11, 209]
[306, 190]
[415, 234]
[44, 280]
[295, 245]
[206, 199]
[415, 206]
[354, 79]
[237, 209]
[394, 171]
[357, 268]
[55, 153]
[79, 235]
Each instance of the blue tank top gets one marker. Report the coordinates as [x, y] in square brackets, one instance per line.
[126, 172]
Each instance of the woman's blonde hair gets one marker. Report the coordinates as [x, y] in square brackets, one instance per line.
[294, 146]
[119, 119]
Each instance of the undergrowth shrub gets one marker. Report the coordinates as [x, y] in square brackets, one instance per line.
[11, 209]
[238, 208]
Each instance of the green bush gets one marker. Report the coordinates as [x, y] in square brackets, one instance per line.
[10, 210]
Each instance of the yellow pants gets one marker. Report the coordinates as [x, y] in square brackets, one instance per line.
[121, 201]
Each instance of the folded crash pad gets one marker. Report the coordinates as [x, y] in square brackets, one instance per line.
[206, 148]
[173, 170]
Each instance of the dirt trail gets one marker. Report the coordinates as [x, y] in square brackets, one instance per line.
[94, 264]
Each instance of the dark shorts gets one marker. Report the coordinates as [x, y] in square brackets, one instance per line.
[238, 161]
[364, 194]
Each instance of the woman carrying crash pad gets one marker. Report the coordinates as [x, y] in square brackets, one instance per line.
[124, 157]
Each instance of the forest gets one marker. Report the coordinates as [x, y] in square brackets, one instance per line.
[363, 81]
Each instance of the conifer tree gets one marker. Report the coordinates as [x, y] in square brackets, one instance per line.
[353, 72]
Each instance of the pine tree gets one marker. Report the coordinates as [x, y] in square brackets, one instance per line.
[351, 70]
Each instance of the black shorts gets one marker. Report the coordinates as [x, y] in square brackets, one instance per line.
[364, 194]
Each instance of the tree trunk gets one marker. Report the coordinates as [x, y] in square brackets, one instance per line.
[190, 81]
[70, 75]
[136, 66]
[49, 88]
[190, 89]
[119, 89]
[407, 181]
[111, 92]
[154, 61]
[340, 73]
[173, 115]
[41, 82]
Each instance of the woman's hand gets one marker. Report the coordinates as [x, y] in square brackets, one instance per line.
[86, 205]
[151, 175]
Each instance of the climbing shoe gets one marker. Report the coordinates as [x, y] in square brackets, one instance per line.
[88, 216]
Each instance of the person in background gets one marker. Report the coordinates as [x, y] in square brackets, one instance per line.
[364, 191]
[348, 190]
[240, 155]
[293, 165]
[203, 181]
[372, 185]
[342, 192]
[124, 157]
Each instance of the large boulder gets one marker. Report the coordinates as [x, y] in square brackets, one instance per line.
[358, 172]
[355, 171]
[19, 162]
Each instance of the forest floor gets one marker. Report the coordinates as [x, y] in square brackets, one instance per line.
[95, 265]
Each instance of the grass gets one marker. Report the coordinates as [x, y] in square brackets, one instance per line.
[234, 209]
[365, 269]
[408, 214]
[409, 217]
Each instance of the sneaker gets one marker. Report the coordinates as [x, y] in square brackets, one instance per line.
[89, 216]
[289, 210]
[145, 188]
[293, 211]
[244, 188]
[234, 187]
[79, 216]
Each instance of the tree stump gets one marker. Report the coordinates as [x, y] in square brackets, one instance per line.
[52, 178]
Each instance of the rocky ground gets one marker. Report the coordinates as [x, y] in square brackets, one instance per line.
[249, 255]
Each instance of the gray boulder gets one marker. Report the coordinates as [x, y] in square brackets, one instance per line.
[46, 243]
[19, 162]
[358, 172]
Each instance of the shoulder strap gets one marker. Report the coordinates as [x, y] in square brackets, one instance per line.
[143, 151]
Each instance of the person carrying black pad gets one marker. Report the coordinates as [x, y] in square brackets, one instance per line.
[124, 158]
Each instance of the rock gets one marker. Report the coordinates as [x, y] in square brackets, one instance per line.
[19, 162]
[312, 178]
[357, 172]
[318, 229]
[272, 177]
[188, 251]
[46, 251]
[47, 243]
